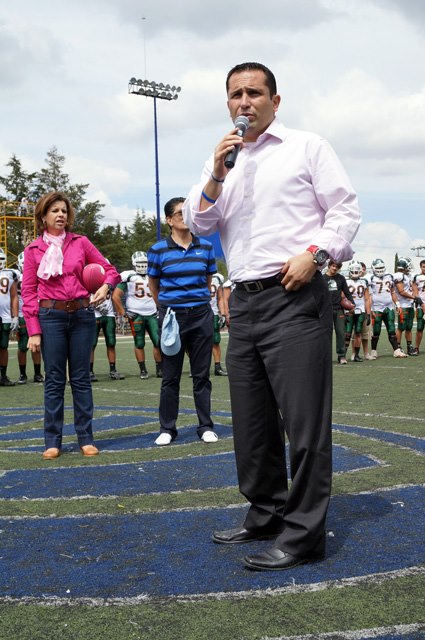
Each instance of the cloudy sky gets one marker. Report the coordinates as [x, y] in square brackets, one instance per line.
[350, 70]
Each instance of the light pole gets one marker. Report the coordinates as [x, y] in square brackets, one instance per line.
[152, 89]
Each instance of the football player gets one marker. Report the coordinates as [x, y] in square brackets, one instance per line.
[140, 309]
[384, 298]
[359, 289]
[22, 335]
[228, 287]
[9, 320]
[418, 287]
[106, 321]
[406, 300]
[366, 333]
[217, 305]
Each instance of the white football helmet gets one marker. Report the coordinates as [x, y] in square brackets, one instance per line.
[21, 261]
[404, 264]
[378, 267]
[2, 259]
[354, 269]
[139, 260]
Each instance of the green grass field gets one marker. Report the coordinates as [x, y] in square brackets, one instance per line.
[383, 398]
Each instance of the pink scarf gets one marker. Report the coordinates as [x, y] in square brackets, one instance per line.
[51, 262]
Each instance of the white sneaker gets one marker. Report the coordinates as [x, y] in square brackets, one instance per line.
[163, 439]
[399, 353]
[373, 354]
[209, 436]
[352, 357]
[368, 356]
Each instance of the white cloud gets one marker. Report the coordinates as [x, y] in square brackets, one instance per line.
[383, 240]
[112, 180]
[350, 70]
[367, 121]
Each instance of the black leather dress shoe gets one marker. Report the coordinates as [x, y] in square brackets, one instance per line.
[240, 535]
[276, 560]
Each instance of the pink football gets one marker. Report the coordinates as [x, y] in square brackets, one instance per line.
[93, 277]
[347, 304]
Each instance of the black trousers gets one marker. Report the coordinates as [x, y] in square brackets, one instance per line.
[279, 362]
[196, 334]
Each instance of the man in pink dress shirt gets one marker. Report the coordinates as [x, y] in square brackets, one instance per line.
[285, 207]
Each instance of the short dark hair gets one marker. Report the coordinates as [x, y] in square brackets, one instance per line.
[171, 205]
[421, 263]
[44, 204]
[254, 66]
[337, 264]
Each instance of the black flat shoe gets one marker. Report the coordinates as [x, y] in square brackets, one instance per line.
[240, 535]
[276, 560]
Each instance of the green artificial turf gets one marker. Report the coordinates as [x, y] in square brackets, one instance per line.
[384, 394]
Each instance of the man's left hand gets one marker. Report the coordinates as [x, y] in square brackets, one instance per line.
[298, 271]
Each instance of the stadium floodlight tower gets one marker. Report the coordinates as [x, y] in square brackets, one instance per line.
[155, 90]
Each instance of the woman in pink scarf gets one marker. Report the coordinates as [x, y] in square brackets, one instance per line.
[60, 317]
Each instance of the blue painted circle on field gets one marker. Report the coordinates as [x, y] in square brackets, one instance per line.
[170, 553]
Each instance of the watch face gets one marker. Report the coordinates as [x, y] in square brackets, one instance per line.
[321, 256]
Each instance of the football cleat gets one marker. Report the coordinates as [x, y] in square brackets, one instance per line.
[373, 355]
[38, 378]
[399, 353]
[22, 379]
[115, 375]
[218, 371]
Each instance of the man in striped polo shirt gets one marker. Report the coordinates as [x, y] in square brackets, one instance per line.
[180, 270]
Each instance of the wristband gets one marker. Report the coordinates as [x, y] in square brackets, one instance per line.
[207, 198]
[216, 179]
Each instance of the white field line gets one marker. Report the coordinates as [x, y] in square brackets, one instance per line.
[378, 415]
[292, 589]
[377, 632]
[365, 436]
[159, 493]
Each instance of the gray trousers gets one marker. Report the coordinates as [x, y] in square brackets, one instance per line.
[279, 361]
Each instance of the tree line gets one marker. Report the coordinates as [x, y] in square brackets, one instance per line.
[115, 242]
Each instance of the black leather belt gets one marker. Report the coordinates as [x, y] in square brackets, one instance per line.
[253, 286]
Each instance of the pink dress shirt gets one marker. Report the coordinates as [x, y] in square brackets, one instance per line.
[287, 191]
[77, 252]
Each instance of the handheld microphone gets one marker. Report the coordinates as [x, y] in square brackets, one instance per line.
[242, 124]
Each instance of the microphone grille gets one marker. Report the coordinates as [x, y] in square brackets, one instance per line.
[242, 123]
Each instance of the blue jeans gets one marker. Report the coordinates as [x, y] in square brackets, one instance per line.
[67, 339]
